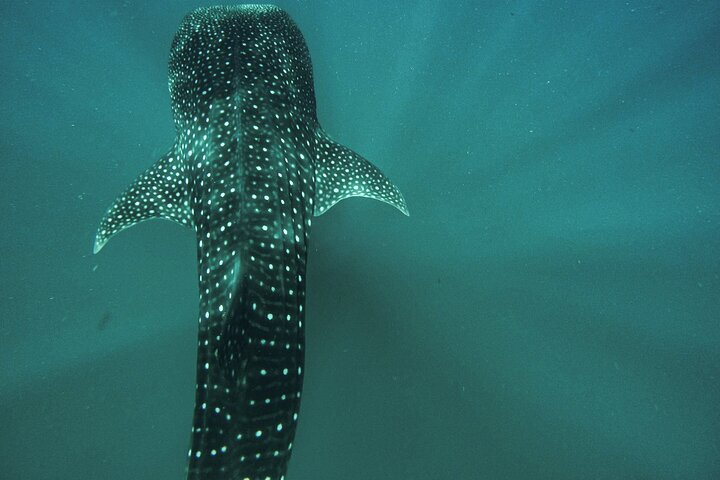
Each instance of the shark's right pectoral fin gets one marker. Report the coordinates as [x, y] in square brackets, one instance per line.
[160, 192]
[341, 173]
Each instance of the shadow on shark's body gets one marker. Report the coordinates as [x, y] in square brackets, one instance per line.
[249, 168]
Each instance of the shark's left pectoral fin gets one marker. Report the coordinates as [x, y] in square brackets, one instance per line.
[160, 192]
[341, 173]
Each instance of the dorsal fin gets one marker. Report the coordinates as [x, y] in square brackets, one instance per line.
[341, 173]
[160, 192]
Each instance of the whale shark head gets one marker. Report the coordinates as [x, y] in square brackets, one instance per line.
[249, 168]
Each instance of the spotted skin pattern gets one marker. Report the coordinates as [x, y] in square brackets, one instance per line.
[249, 168]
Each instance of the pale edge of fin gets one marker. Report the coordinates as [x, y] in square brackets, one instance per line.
[341, 173]
[160, 192]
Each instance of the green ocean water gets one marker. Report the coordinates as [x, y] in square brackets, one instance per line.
[550, 309]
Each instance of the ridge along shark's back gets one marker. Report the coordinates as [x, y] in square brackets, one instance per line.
[249, 168]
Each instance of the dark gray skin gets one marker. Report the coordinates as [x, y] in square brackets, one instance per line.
[249, 168]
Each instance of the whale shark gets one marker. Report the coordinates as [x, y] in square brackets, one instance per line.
[248, 170]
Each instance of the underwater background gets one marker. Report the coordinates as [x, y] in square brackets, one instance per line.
[550, 309]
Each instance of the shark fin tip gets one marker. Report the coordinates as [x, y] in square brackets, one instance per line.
[97, 246]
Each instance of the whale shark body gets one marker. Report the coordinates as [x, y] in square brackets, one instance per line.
[249, 168]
